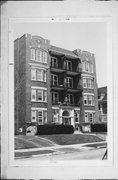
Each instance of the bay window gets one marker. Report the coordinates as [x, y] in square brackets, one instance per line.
[38, 74]
[38, 95]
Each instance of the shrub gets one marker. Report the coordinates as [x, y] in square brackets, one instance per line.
[54, 129]
[102, 127]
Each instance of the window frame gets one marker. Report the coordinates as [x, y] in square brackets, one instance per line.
[53, 81]
[67, 65]
[68, 97]
[53, 97]
[41, 116]
[55, 65]
[35, 115]
[67, 81]
[43, 74]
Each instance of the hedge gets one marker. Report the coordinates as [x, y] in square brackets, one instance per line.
[54, 129]
[101, 127]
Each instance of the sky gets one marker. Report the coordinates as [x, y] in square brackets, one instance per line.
[87, 36]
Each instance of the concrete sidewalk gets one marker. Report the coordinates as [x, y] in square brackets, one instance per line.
[75, 146]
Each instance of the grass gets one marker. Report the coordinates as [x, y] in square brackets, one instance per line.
[27, 154]
[26, 142]
[68, 139]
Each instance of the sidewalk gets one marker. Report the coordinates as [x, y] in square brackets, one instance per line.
[57, 149]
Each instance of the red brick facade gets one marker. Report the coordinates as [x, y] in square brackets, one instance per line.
[49, 84]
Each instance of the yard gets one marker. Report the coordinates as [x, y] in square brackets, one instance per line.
[26, 142]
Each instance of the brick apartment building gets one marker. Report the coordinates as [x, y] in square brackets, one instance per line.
[53, 84]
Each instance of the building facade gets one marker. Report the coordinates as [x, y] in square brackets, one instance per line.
[50, 84]
[102, 103]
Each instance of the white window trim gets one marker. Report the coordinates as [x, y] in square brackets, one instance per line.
[37, 87]
[92, 97]
[33, 92]
[67, 61]
[52, 61]
[67, 80]
[54, 75]
[53, 94]
[32, 116]
[72, 98]
[36, 72]
[40, 109]
[42, 117]
[36, 100]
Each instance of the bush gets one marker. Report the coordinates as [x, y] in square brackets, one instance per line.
[102, 127]
[54, 129]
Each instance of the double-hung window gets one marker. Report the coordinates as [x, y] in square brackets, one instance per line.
[86, 66]
[33, 55]
[84, 82]
[44, 57]
[85, 99]
[54, 62]
[40, 117]
[39, 55]
[55, 97]
[69, 81]
[91, 117]
[38, 75]
[33, 116]
[54, 79]
[69, 65]
[38, 95]
[33, 94]
[70, 98]
[89, 100]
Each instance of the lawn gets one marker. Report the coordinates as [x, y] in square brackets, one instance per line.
[68, 139]
[26, 142]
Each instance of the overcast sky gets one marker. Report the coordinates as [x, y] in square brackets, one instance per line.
[89, 36]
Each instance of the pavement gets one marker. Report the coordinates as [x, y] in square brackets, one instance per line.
[65, 151]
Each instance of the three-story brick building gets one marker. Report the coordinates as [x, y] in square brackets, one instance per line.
[50, 84]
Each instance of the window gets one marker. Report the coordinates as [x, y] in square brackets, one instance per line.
[85, 100]
[83, 65]
[86, 117]
[45, 117]
[54, 79]
[33, 95]
[40, 117]
[54, 62]
[39, 55]
[88, 83]
[69, 82]
[44, 57]
[90, 117]
[33, 74]
[70, 98]
[33, 116]
[69, 65]
[87, 66]
[85, 83]
[39, 95]
[33, 54]
[91, 68]
[38, 75]
[89, 100]
[44, 96]
[55, 97]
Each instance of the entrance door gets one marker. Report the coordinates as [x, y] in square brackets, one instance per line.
[66, 118]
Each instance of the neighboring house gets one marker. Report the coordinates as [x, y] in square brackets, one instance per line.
[49, 84]
[102, 103]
